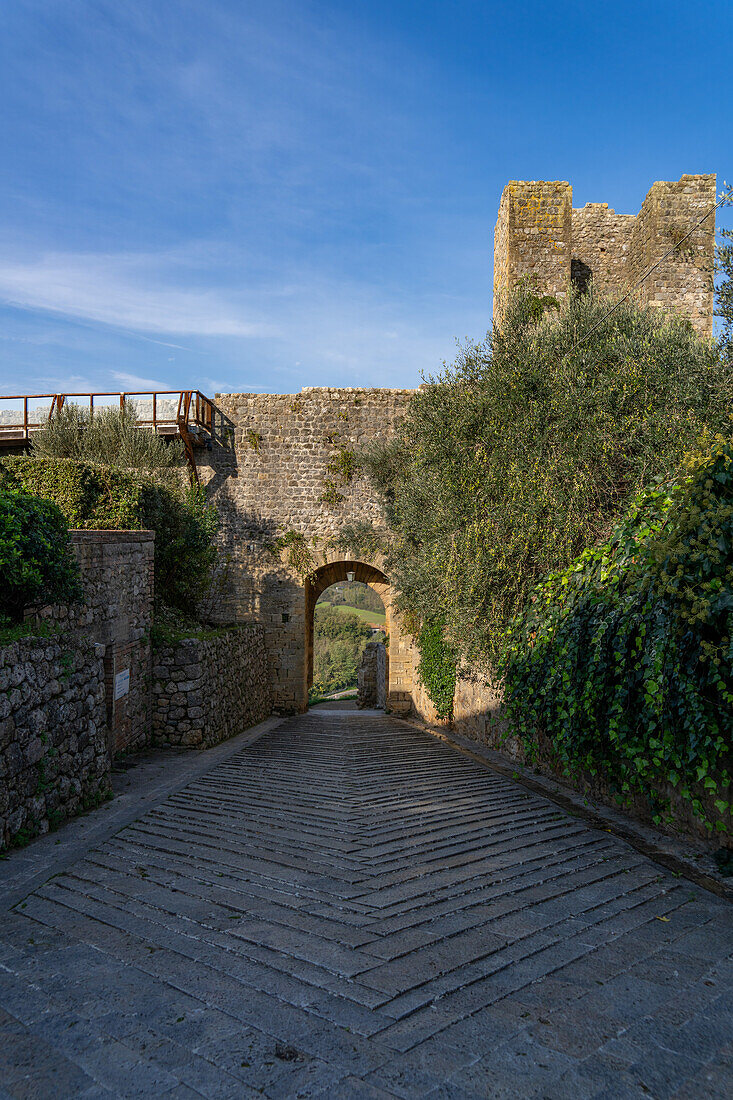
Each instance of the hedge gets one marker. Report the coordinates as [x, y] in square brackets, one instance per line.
[96, 497]
[36, 562]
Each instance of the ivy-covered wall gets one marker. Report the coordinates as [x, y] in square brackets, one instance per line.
[620, 670]
[618, 677]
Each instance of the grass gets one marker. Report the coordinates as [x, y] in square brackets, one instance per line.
[377, 617]
[314, 700]
[13, 632]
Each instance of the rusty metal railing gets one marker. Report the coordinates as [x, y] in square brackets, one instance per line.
[187, 413]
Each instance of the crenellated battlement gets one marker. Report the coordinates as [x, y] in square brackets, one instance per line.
[539, 234]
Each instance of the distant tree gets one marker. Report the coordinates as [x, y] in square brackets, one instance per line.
[353, 594]
[339, 641]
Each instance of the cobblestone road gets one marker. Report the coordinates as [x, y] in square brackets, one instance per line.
[349, 908]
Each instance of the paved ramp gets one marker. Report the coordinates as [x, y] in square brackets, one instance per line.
[348, 908]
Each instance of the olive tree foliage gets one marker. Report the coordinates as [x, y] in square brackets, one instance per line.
[724, 287]
[111, 437]
[527, 449]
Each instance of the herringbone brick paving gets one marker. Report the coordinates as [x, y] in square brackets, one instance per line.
[348, 908]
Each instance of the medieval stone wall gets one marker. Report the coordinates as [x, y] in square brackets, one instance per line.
[284, 471]
[538, 233]
[53, 737]
[601, 239]
[684, 280]
[210, 687]
[117, 614]
[372, 676]
[533, 237]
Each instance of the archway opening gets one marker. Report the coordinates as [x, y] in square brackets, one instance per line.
[339, 575]
[349, 618]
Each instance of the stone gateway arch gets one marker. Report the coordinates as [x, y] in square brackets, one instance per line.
[282, 478]
[280, 468]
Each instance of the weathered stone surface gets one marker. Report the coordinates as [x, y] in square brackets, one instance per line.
[372, 676]
[281, 474]
[232, 689]
[53, 748]
[349, 908]
[539, 234]
[116, 614]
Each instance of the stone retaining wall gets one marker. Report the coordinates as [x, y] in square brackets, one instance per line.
[53, 739]
[210, 687]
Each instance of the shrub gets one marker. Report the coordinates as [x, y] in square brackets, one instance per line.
[100, 497]
[91, 497]
[36, 562]
[185, 551]
[529, 447]
[624, 661]
[111, 437]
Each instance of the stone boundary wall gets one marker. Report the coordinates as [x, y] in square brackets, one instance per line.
[117, 614]
[209, 688]
[53, 737]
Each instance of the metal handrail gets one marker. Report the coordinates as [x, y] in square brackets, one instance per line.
[203, 408]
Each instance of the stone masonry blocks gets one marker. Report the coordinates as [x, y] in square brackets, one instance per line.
[539, 234]
[53, 736]
[117, 614]
[209, 688]
[273, 478]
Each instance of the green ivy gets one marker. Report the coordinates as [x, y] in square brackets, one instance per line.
[624, 661]
[298, 554]
[437, 666]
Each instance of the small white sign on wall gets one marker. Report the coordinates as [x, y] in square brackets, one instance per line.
[122, 683]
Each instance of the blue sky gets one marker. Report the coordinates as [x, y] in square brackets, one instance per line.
[244, 195]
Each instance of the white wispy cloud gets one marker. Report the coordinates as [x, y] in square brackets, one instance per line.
[129, 291]
[133, 382]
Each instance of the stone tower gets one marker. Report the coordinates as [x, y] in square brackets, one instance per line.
[538, 233]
